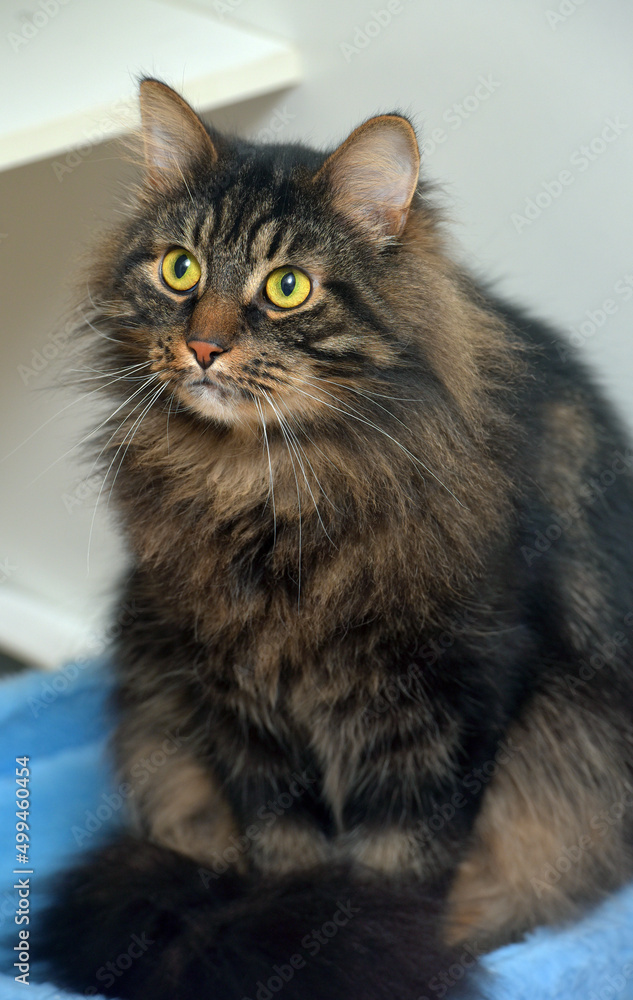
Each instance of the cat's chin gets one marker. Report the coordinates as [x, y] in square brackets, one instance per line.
[214, 401]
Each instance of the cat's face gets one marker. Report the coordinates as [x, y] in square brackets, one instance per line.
[248, 276]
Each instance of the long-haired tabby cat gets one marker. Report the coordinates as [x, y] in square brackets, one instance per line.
[381, 537]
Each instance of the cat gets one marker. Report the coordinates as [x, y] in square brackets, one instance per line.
[380, 679]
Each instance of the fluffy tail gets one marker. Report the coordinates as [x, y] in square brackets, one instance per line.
[140, 922]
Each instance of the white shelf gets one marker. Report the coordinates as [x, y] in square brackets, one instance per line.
[71, 77]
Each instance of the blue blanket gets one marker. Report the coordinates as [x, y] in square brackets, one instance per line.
[60, 722]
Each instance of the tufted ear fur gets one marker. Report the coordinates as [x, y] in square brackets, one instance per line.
[373, 176]
[174, 138]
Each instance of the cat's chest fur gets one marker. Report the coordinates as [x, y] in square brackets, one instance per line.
[261, 560]
[275, 560]
[293, 600]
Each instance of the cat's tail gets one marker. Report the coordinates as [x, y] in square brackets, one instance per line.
[141, 922]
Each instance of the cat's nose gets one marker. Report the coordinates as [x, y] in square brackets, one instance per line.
[205, 352]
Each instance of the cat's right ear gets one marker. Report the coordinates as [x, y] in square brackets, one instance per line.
[174, 138]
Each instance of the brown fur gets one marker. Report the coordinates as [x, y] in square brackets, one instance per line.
[344, 504]
[551, 834]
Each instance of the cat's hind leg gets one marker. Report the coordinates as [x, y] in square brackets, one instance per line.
[555, 830]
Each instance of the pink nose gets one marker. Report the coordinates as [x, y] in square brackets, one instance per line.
[204, 352]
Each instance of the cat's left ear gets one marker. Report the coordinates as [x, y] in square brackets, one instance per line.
[174, 138]
[373, 176]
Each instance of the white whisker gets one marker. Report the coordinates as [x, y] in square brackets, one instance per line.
[171, 403]
[107, 374]
[148, 382]
[351, 411]
[307, 436]
[285, 436]
[297, 448]
[94, 429]
[381, 395]
[105, 478]
[132, 432]
[270, 468]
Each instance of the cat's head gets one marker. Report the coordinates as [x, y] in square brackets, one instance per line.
[280, 326]
[252, 278]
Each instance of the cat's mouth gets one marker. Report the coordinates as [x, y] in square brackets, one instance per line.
[206, 387]
[205, 380]
[212, 398]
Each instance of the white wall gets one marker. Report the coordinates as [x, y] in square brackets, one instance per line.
[555, 80]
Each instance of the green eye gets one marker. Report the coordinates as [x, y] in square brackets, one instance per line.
[287, 287]
[180, 270]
